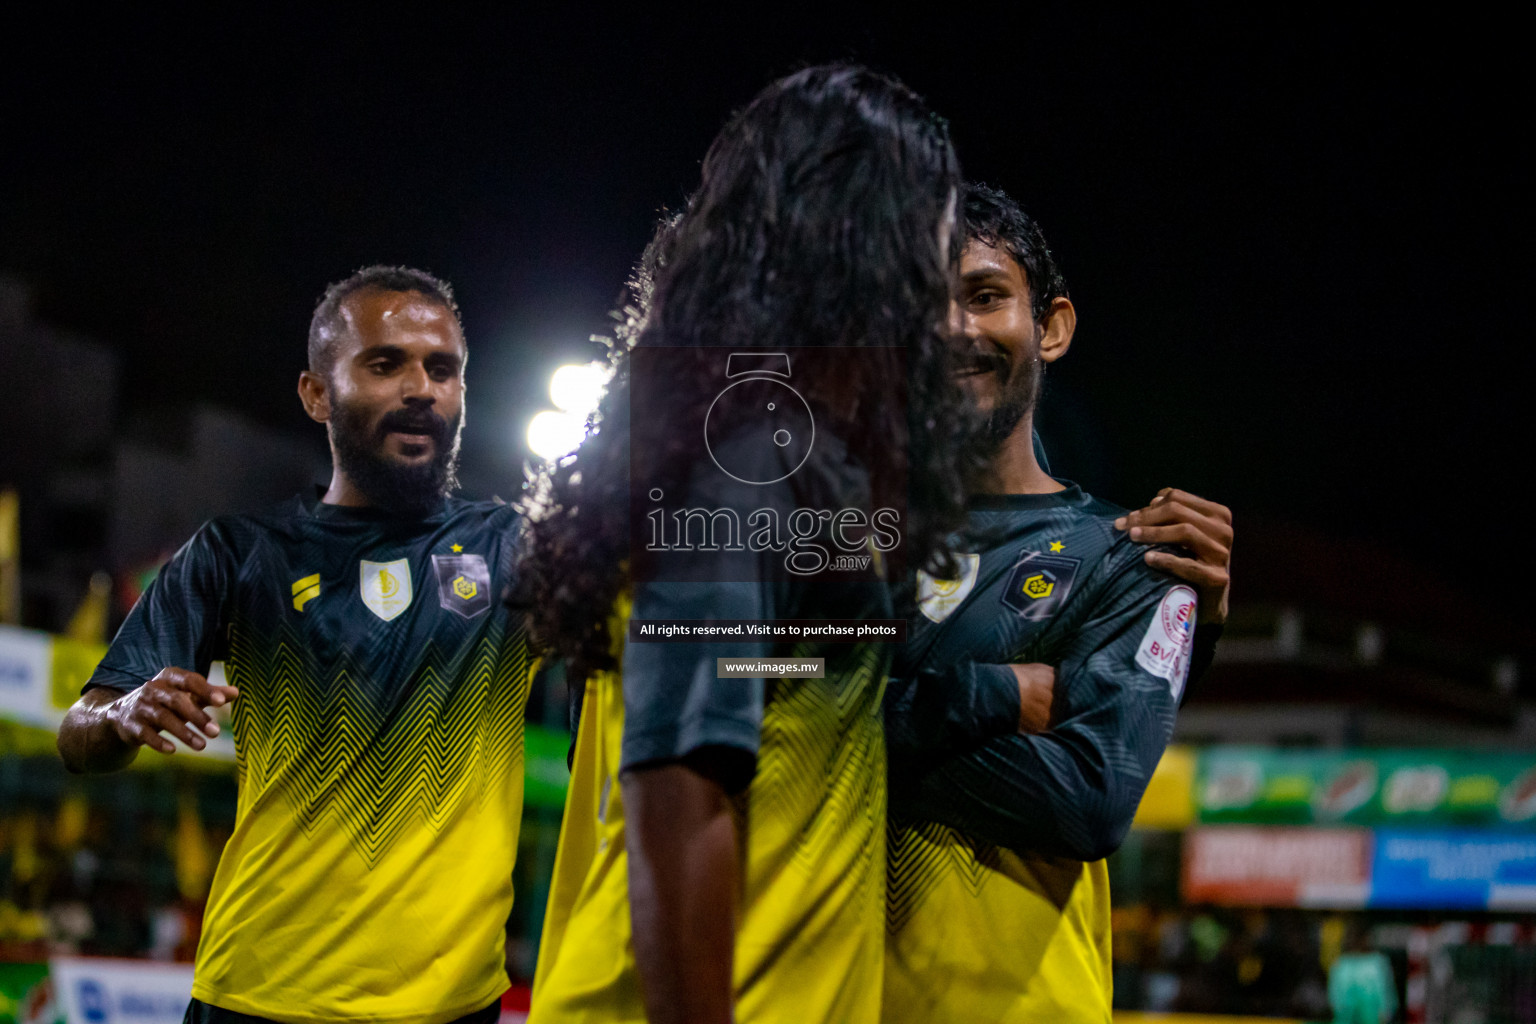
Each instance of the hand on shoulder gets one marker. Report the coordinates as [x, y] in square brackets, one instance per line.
[1201, 527]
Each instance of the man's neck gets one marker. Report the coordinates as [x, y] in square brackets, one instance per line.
[1015, 470]
[343, 491]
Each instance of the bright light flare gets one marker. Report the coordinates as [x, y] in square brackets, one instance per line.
[577, 387]
[554, 434]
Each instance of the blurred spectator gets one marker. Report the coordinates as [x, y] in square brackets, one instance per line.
[1360, 985]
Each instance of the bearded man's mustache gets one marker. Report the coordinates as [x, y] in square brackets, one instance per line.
[985, 361]
[415, 421]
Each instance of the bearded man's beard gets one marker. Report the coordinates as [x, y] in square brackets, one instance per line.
[406, 489]
[1016, 398]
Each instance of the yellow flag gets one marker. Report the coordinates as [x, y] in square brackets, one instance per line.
[70, 824]
[89, 624]
[10, 556]
[193, 852]
[1169, 801]
[25, 862]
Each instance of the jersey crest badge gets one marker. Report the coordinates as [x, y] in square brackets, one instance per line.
[463, 584]
[1039, 584]
[1170, 636]
[386, 587]
[937, 598]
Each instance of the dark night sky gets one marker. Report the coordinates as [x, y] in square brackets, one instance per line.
[1295, 244]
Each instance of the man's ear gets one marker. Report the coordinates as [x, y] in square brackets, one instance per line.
[1060, 323]
[316, 396]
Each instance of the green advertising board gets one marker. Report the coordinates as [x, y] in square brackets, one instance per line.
[545, 775]
[25, 995]
[1366, 787]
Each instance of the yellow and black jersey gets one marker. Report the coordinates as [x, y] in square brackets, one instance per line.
[379, 742]
[809, 799]
[998, 897]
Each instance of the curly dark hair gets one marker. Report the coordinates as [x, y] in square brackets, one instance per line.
[992, 216]
[817, 223]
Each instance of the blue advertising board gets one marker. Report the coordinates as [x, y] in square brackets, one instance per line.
[1453, 870]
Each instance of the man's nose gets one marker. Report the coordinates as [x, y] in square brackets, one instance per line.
[961, 325]
[416, 385]
[956, 318]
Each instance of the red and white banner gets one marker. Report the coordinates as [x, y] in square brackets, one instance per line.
[1250, 866]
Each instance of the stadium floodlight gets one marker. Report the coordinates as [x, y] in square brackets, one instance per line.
[553, 434]
[577, 387]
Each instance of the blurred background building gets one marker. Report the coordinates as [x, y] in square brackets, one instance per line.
[100, 489]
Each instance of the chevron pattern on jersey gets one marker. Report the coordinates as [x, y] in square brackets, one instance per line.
[337, 747]
[821, 761]
[919, 856]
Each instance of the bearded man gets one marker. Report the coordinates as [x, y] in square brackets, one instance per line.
[376, 684]
[1067, 641]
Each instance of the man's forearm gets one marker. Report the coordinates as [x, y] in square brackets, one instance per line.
[87, 740]
[940, 711]
[1048, 794]
[683, 880]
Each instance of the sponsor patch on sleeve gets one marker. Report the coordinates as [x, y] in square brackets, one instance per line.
[1170, 637]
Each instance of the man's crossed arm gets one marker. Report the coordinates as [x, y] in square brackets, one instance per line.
[1055, 789]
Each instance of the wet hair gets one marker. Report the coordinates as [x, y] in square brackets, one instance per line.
[816, 223]
[326, 326]
[993, 217]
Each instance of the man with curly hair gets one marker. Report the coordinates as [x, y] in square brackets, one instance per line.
[722, 852]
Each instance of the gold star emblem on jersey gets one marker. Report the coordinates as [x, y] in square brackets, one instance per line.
[305, 590]
[1038, 586]
[465, 588]
[1057, 545]
[456, 548]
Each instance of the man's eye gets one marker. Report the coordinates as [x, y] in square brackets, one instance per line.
[984, 298]
[381, 366]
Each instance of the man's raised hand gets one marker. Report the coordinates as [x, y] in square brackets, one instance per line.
[172, 702]
[1202, 528]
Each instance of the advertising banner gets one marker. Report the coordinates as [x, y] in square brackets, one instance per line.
[26, 997]
[1277, 867]
[41, 674]
[1454, 870]
[26, 656]
[545, 775]
[1404, 788]
[93, 990]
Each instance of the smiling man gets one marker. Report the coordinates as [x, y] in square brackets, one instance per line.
[377, 686]
[997, 895]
